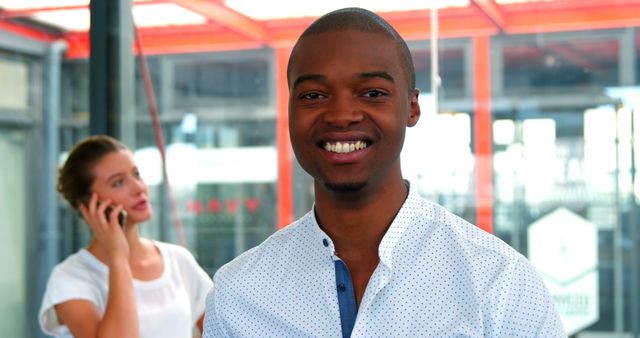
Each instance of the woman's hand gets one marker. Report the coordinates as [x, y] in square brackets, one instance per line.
[120, 317]
[106, 228]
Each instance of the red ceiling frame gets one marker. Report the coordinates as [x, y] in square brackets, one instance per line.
[604, 16]
[228, 29]
[492, 11]
[28, 31]
[285, 152]
[21, 13]
[25, 12]
[482, 132]
[217, 12]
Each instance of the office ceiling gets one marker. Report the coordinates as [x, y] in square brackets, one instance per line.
[169, 26]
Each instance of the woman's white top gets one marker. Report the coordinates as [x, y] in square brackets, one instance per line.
[167, 307]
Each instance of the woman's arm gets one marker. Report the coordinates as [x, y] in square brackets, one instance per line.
[200, 323]
[120, 318]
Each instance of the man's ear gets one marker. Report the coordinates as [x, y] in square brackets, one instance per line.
[414, 108]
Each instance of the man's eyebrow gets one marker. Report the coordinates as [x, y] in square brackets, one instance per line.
[308, 77]
[383, 75]
[318, 77]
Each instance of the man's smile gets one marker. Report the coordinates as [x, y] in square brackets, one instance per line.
[344, 146]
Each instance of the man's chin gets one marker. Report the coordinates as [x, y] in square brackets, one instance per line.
[344, 187]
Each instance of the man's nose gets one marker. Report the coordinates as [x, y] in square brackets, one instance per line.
[343, 111]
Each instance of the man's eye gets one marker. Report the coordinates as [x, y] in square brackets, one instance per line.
[374, 93]
[311, 96]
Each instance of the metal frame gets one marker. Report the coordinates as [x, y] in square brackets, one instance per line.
[41, 231]
[111, 70]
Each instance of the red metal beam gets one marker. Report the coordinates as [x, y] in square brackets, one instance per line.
[491, 10]
[552, 18]
[26, 12]
[28, 32]
[482, 131]
[453, 23]
[172, 40]
[557, 5]
[412, 25]
[285, 153]
[241, 32]
[224, 16]
[283, 33]
[77, 45]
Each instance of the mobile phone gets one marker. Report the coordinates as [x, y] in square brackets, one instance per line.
[122, 215]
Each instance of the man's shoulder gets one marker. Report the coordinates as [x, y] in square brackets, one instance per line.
[501, 278]
[273, 251]
[467, 238]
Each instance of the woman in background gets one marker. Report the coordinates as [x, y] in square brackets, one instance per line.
[120, 284]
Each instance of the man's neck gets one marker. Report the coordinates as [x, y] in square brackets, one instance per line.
[357, 225]
[358, 222]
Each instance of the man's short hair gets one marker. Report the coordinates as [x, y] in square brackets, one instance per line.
[359, 19]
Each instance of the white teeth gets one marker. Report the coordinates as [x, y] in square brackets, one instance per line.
[344, 147]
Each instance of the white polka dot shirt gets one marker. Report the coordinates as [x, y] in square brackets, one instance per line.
[438, 276]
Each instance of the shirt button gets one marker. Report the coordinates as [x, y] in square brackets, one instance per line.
[325, 242]
[341, 287]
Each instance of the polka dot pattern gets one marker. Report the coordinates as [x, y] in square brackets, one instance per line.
[438, 276]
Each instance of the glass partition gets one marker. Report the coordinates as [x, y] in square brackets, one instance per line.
[562, 134]
[19, 103]
[13, 249]
[218, 123]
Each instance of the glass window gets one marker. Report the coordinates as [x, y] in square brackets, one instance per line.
[562, 172]
[17, 96]
[637, 55]
[20, 90]
[445, 133]
[14, 85]
[203, 80]
[548, 64]
[217, 119]
[13, 233]
[452, 68]
[75, 89]
[225, 205]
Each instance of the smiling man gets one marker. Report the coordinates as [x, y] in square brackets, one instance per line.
[372, 258]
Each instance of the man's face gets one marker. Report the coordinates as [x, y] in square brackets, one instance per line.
[349, 106]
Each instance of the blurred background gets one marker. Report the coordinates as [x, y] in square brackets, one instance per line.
[529, 115]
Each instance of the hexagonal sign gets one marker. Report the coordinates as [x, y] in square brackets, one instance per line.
[563, 247]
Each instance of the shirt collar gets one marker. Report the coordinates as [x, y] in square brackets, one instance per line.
[319, 236]
[389, 241]
[398, 226]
